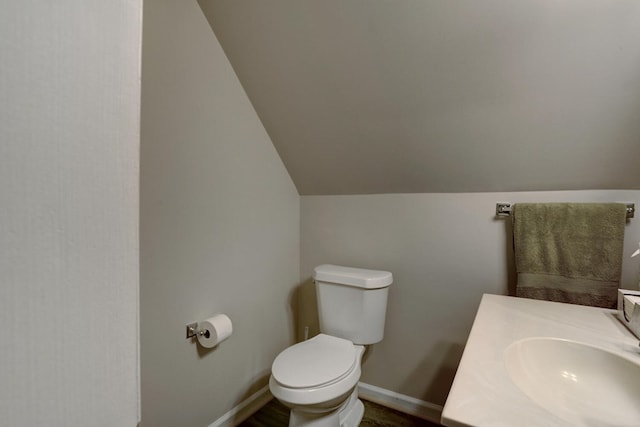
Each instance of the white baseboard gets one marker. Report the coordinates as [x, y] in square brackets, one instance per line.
[400, 402]
[244, 409]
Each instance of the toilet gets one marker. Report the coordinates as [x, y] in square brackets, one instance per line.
[317, 378]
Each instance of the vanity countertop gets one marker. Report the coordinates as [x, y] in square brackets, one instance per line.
[483, 394]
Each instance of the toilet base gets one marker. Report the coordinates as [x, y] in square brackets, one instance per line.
[352, 414]
[348, 414]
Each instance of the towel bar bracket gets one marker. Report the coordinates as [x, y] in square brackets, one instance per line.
[504, 209]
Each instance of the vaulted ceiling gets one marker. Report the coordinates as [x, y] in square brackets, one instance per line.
[382, 96]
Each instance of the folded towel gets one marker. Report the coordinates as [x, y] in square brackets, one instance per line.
[569, 252]
[629, 305]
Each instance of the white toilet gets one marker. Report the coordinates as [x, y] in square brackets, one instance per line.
[317, 378]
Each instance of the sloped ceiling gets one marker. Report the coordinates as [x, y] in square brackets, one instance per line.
[382, 96]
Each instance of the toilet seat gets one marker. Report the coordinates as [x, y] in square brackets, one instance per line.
[317, 362]
[296, 381]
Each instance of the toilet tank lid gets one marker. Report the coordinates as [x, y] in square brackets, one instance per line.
[359, 277]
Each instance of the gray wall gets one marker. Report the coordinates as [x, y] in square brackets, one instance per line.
[219, 226]
[69, 140]
[445, 251]
[432, 96]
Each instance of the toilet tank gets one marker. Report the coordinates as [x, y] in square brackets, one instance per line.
[352, 302]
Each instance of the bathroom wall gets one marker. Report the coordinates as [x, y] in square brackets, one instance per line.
[219, 226]
[445, 251]
[419, 96]
[69, 140]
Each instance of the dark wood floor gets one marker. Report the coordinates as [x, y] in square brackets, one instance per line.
[275, 414]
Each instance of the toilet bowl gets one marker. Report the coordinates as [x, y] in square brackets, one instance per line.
[317, 380]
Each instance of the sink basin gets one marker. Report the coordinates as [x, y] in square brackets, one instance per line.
[582, 384]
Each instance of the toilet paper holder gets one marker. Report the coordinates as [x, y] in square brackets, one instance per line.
[192, 331]
[212, 331]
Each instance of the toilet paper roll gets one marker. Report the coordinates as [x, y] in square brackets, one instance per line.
[214, 330]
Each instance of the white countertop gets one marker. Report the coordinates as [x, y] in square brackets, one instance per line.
[483, 394]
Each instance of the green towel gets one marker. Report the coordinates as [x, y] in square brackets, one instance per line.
[569, 252]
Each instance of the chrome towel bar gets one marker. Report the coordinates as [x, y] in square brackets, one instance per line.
[504, 209]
